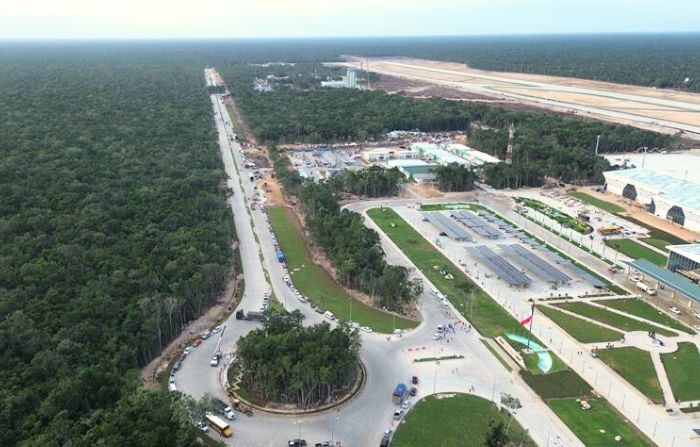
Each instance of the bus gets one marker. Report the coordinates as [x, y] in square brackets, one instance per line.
[219, 425]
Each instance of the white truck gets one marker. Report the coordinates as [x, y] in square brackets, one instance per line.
[645, 288]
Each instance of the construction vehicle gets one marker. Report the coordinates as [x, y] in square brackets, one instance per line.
[609, 230]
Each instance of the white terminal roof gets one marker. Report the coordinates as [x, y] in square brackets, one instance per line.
[406, 162]
[681, 192]
[690, 251]
[476, 157]
[441, 155]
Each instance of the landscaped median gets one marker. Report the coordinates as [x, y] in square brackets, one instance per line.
[682, 371]
[636, 250]
[642, 309]
[455, 420]
[581, 330]
[613, 319]
[321, 289]
[487, 316]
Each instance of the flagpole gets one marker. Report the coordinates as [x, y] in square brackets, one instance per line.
[532, 318]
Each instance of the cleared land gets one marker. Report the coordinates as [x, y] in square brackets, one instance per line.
[682, 369]
[487, 316]
[598, 426]
[602, 204]
[642, 309]
[644, 107]
[315, 283]
[453, 420]
[581, 330]
[636, 367]
[636, 251]
[613, 319]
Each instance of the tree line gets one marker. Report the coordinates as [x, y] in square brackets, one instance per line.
[113, 235]
[545, 144]
[354, 250]
[454, 177]
[286, 362]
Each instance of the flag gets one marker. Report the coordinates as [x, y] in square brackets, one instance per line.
[526, 320]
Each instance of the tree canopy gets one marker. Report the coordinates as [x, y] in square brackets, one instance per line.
[113, 235]
[286, 362]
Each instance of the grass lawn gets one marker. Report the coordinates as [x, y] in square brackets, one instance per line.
[655, 232]
[487, 316]
[683, 370]
[636, 367]
[658, 243]
[642, 309]
[635, 251]
[557, 385]
[315, 283]
[457, 421]
[587, 424]
[602, 204]
[449, 206]
[581, 330]
[616, 320]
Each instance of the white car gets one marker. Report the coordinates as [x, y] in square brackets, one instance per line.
[216, 330]
[214, 361]
[697, 315]
[286, 279]
[187, 350]
[366, 329]
[202, 426]
[398, 413]
[674, 310]
[229, 414]
[437, 336]
[440, 328]
[405, 405]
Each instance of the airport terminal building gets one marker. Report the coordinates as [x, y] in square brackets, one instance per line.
[664, 196]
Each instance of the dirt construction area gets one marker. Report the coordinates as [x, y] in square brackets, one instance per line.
[661, 110]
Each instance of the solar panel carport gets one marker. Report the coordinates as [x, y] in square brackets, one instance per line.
[540, 267]
[499, 266]
[476, 224]
[448, 226]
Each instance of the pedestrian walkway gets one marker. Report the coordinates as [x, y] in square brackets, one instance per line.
[663, 381]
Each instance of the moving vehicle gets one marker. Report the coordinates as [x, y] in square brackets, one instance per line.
[437, 336]
[399, 393]
[219, 425]
[645, 288]
[215, 360]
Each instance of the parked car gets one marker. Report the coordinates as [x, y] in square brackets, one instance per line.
[206, 335]
[187, 350]
[437, 336]
[177, 365]
[674, 310]
[229, 413]
[366, 329]
[414, 380]
[413, 391]
[398, 413]
[216, 330]
[297, 443]
[386, 439]
[202, 426]
[406, 405]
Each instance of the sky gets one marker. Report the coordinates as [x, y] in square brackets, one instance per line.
[88, 19]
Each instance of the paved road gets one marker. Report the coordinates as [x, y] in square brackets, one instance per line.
[388, 359]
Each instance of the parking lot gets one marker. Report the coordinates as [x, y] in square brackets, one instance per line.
[500, 257]
[323, 163]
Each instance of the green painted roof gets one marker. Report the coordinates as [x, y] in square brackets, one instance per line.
[675, 281]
